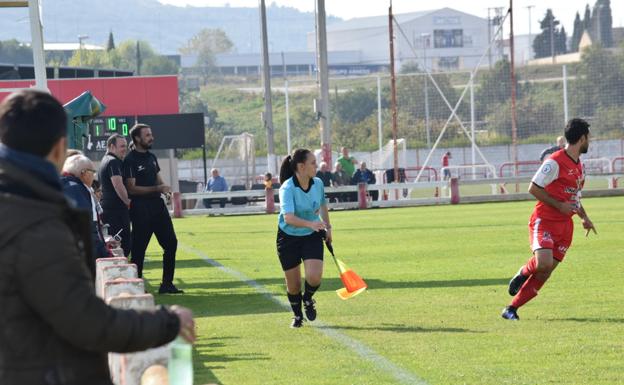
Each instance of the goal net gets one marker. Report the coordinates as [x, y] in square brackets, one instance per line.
[384, 159]
[236, 160]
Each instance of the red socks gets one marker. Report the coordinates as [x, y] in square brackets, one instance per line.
[529, 268]
[528, 291]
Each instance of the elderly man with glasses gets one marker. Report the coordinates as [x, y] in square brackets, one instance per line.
[77, 183]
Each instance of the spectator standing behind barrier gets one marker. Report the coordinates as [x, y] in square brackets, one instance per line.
[115, 200]
[79, 175]
[56, 330]
[268, 181]
[325, 174]
[216, 183]
[561, 142]
[364, 175]
[148, 212]
[347, 162]
[445, 163]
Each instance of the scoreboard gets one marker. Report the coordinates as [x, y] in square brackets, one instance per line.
[170, 131]
[100, 128]
[113, 125]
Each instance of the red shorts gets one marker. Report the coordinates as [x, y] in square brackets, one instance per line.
[554, 235]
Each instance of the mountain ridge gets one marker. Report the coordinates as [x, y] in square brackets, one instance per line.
[165, 27]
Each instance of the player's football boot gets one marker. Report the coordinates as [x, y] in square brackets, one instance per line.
[310, 311]
[516, 282]
[297, 322]
[510, 313]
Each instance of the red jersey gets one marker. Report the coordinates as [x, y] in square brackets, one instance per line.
[563, 179]
[445, 160]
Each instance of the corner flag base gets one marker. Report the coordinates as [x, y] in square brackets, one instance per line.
[345, 295]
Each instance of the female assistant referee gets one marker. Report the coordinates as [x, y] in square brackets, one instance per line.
[300, 230]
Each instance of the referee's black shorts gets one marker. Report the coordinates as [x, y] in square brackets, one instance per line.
[294, 249]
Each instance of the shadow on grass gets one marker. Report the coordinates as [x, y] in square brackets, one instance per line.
[154, 262]
[336, 283]
[589, 320]
[399, 328]
[207, 358]
[216, 304]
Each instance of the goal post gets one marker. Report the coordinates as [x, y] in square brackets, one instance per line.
[236, 159]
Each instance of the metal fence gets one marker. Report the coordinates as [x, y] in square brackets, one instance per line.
[547, 96]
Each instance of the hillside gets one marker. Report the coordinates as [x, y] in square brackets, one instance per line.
[166, 27]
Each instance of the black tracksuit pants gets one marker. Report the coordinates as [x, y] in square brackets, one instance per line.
[150, 216]
[119, 219]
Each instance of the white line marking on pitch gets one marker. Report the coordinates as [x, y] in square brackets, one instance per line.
[364, 351]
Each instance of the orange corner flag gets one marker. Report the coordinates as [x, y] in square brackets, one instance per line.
[353, 283]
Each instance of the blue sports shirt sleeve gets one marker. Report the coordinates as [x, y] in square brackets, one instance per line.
[287, 201]
[323, 200]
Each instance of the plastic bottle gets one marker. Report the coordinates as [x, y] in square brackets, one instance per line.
[180, 363]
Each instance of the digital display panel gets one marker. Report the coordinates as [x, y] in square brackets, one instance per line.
[170, 131]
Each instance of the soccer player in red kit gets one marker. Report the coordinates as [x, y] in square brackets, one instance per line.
[557, 186]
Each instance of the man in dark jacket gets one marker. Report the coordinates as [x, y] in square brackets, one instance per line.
[79, 174]
[54, 328]
[364, 175]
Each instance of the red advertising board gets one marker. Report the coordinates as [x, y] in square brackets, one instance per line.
[143, 95]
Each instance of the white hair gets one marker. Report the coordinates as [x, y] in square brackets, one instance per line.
[76, 163]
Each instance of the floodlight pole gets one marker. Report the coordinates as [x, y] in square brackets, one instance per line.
[489, 31]
[529, 7]
[393, 99]
[514, 117]
[323, 82]
[36, 31]
[379, 122]
[267, 117]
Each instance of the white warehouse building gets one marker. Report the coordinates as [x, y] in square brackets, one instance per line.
[444, 39]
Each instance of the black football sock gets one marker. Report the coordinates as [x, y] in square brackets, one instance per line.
[309, 291]
[295, 303]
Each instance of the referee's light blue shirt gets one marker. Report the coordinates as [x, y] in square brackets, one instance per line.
[303, 204]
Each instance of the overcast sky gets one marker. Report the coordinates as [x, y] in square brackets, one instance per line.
[564, 10]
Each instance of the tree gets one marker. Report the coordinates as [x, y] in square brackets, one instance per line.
[602, 23]
[159, 65]
[561, 41]
[90, 59]
[110, 45]
[138, 58]
[14, 52]
[546, 115]
[599, 83]
[355, 105]
[125, 55]
[495, 88]
[213, 40]
[206, 44]
[542, 42]
[577, 33]
[587, 19]
[410, 67]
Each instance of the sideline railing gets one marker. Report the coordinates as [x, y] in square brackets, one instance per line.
[264, 201]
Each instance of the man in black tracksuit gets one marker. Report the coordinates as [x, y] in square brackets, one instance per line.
[148, 212]
[115, 201]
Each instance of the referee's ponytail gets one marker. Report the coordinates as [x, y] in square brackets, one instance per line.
[289, 164]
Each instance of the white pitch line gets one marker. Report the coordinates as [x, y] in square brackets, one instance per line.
[403, 376]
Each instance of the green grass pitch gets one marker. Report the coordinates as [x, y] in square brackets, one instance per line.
[437, 281]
